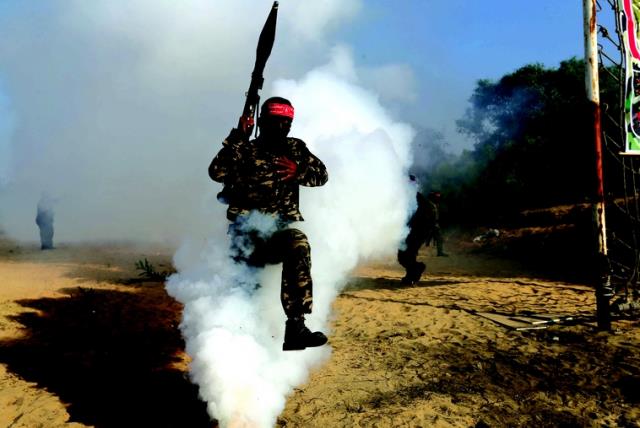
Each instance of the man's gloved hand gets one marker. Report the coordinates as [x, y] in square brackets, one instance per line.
[235, 136]
[242, 132]
[288, 169]
[246, 124]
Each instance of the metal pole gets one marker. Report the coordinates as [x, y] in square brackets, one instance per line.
[603, 287]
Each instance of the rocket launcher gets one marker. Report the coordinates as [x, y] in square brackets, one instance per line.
[265, 44]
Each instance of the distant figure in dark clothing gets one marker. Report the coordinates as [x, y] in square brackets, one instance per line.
[44, 220]
[433, 221]
[423, 227]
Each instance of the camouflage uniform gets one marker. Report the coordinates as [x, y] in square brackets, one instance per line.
[419, 227]
[252, 184]
[424, 226]
[433, 222]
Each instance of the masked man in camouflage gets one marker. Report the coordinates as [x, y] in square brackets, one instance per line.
[262, 177]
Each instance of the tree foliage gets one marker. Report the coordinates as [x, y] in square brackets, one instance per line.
[533, 144]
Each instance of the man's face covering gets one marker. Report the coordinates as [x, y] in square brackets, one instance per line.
[275, 121]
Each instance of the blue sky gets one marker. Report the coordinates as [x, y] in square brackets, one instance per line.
[451, 44]
[492, 35]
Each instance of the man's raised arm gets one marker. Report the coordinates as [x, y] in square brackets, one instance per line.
[224, 164]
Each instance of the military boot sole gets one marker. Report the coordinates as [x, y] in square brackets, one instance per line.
[301, 345]
[293, 347]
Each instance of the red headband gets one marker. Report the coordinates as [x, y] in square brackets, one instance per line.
[280, 110]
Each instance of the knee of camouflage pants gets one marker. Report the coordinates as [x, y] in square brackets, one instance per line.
[296, 290]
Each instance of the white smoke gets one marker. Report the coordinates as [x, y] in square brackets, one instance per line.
[235, 335]
[117, 108]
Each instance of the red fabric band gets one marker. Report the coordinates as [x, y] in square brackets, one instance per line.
[280, 110]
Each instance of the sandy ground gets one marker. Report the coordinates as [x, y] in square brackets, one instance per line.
[84, 341]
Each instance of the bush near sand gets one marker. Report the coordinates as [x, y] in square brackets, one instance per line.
[86, 341]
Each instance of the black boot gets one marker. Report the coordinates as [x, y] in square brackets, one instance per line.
[413, 274]
[297, 336]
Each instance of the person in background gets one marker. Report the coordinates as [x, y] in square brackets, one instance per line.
[44, 220]
[424, 226]
[433, 221]
[418, 232]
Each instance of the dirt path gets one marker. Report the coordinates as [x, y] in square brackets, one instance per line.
[83, 340]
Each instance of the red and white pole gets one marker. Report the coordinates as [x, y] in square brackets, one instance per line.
[603, 288]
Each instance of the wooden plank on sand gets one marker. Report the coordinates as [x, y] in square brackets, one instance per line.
[510, 321]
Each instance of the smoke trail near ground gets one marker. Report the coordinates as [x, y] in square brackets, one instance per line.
[235, 335]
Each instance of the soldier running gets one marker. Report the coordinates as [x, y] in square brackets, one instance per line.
[424, 226]
[263, 176]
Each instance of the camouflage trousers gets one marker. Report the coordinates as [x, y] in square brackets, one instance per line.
[287, 246]
[435, 234]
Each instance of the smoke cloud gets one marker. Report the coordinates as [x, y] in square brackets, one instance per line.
[115, 106]
[235, 334]
[117, 109]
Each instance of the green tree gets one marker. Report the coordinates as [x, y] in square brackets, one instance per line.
[533, 143]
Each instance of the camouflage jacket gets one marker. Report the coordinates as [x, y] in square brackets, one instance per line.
[248, 171]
